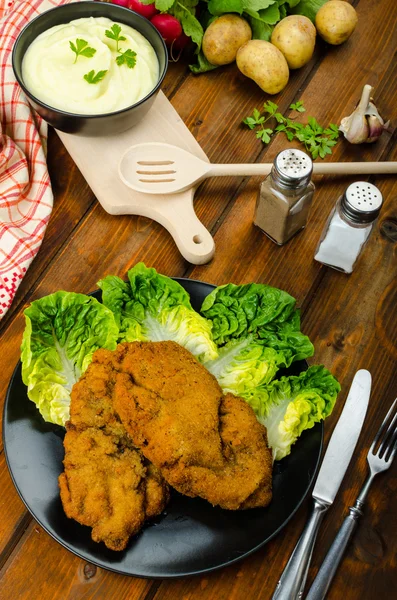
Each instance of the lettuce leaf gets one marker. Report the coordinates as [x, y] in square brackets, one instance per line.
[288, 406]
[244, 365]
[153, 307]
[238, 311]
[62, 332]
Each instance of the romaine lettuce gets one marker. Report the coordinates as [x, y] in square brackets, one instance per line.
[62, 332]
[152, 307]
[288, 406]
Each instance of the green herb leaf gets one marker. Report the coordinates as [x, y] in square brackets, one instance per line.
[114, 34]
[317, 140]
[127, 58]
[93, 77]
[298, 106]
[81, 48]
[264, 135]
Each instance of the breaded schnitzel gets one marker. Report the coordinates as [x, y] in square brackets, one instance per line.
[107, 483]
[205, 443]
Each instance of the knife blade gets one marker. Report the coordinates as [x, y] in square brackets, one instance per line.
[344, 439]
[333, 468]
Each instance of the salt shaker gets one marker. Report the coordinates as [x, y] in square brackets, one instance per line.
[349, 226]
[285, 196]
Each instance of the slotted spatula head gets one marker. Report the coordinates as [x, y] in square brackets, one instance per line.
[157, 168]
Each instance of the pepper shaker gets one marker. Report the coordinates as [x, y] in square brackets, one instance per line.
[285, 196]
[349, 226]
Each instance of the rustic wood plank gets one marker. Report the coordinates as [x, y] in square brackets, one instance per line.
[14, 516]
[80, 265]
[40, 567]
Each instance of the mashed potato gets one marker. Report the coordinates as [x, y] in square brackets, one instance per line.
[51, 72]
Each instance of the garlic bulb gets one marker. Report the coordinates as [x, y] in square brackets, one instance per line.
[364, 125]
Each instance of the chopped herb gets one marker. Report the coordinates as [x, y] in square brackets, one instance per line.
[114, 34]
[317, 140]
[128, 58]
[81, 48]
[298, 106]
[93, 77]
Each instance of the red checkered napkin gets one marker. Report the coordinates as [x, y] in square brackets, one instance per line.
[25, 188]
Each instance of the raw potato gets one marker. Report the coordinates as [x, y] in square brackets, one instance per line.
[224, 37]
[295, 37]
[336, 21]
[265, 64]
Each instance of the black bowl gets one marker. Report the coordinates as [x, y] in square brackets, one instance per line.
[99, 124]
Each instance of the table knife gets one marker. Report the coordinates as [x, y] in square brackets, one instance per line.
[333, 468]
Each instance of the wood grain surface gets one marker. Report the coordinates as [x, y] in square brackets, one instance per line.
[352, 320]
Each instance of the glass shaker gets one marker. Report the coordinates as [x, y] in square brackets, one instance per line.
[349, 226]
[285, 196]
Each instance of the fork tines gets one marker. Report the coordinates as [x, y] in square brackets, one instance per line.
[387, 436]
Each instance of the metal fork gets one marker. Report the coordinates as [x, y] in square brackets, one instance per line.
[386, 443]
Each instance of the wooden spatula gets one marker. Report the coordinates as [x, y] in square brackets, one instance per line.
[157, 168]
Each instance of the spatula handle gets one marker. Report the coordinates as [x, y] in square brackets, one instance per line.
[355, 168]
[342, 168]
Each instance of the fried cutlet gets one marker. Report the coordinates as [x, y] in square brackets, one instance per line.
[204, 443]
[107, 483]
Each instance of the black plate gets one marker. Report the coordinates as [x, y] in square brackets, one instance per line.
[191, 536]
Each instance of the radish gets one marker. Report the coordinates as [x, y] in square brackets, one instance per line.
[181, 42]
[146, 10]
[121, 2]
[168, 26]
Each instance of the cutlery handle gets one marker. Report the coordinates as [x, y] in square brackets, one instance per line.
[334, 556]
[320, 168]
[292, 581]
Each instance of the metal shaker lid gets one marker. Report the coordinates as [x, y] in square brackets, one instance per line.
[362, 202]
[293, 168]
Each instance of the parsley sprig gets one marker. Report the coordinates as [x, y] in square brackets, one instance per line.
[81, 48]
[93, 77]
[128, 57]
[114, 34]
[317, 140]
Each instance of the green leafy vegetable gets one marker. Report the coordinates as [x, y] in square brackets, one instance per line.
[308, 8]
[220, 7]
[127, 58]
[288, 406]
[245, 364]
[263, 315]
[152, 307]
[114, 34]
[190, 24]
[93, 77]
[81, 48]
[239, 310]
[317, 140]
[203, 65]
[62, 332]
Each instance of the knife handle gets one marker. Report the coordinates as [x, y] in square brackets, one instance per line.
[293, 579]
[334, 556]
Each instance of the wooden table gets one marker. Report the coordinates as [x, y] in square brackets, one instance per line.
[352, 320]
